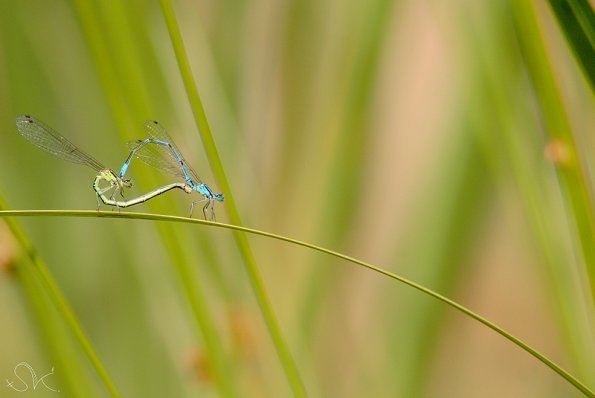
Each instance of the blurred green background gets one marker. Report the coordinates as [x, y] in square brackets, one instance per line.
[449, 142]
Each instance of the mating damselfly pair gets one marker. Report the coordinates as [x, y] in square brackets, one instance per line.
[157, 150]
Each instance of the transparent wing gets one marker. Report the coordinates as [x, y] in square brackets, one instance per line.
[50, 141]
[161, 156]
[157, 156]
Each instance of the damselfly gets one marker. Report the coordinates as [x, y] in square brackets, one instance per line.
[160, 151]
[46, 138]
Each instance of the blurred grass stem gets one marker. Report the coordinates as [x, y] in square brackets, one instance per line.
[61, 304]
[202, 123]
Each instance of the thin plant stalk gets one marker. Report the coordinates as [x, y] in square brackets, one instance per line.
[242, 242]
[570, 168]
[62, 306]
[577, 20]
[192, 287]
[580, 386]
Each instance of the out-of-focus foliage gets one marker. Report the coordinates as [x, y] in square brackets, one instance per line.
[449, 142]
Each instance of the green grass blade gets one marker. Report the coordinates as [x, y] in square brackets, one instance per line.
[62, 305]
[341, 196]
[577, 19]
[102, 58]
[73, 380]
[197, 298]
[118, 44]
[512, 144]
[436, 249]
[158, 217]
[202, 123]
[571, 171]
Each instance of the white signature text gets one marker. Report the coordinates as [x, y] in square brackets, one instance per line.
[21, 385]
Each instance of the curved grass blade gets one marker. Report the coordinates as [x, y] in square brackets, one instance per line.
[158, 217]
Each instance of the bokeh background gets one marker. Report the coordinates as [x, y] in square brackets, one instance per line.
[429, 138]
